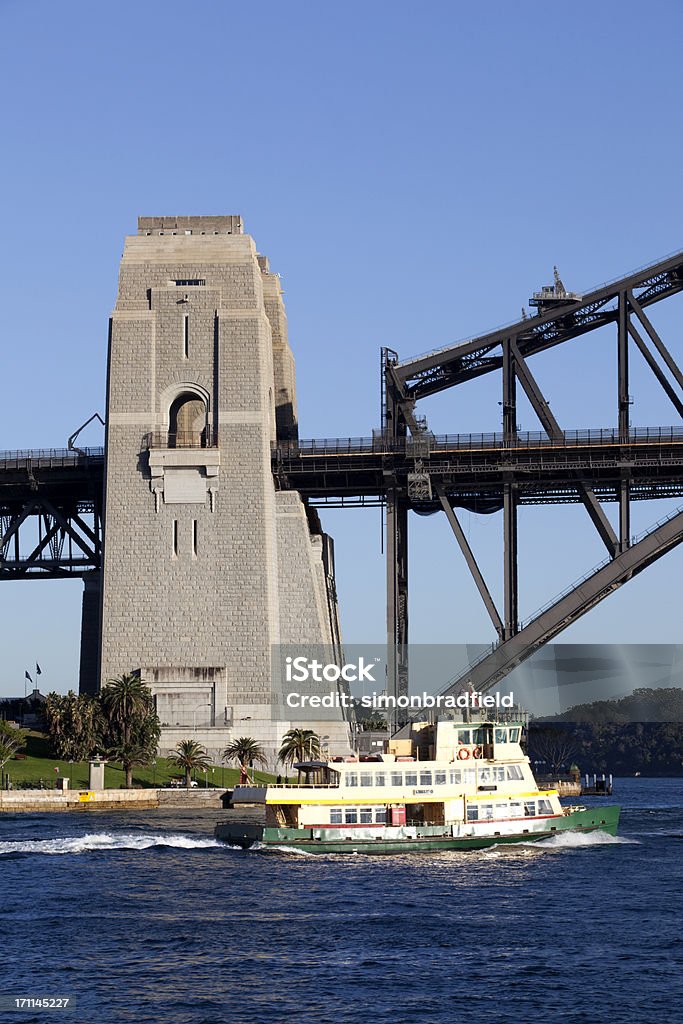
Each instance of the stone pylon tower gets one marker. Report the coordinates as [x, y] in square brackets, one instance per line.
[206, 565]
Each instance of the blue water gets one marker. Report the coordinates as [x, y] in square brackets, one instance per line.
[145, 918]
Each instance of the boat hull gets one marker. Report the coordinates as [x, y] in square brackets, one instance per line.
[419, 839]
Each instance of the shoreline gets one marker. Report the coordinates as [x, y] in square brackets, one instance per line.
[30, 801]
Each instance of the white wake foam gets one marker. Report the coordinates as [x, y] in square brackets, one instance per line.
[259, 847]
[571, 840]
[107, 841]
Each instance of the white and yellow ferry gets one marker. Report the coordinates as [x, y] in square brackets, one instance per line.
[473, 789]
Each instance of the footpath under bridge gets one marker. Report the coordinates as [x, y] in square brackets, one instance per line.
[51, 500]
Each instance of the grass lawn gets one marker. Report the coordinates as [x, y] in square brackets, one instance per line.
[37, 764]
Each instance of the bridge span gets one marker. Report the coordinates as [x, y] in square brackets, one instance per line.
[51, 501]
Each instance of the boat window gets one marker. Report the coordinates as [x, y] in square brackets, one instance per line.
[464, 735]
[380, 779]
[439, 778]
[352, 778]
[380, 815]
[425, 778]
[472, 812]
[397, 778]
[498, 772]
[366, 815]
[516, 809]
[478, 736]
[545, 807]
[486, 811]
[455, 777]
[515, 771]
[529, 808]
[501, 735]
[468, 776]
[366, 778]
[502, 811]
[484, 774]
[514, 735]
[336, 816]
[411, 778]
[351, 815]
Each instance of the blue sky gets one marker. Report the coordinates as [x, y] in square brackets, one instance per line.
[412, 172]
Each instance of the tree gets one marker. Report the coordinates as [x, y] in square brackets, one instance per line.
[247, 752]
[74, 725]
[132, 727]
[12, 740]
[554, 744]
[369, 719]
[188, 755]
[299, 745]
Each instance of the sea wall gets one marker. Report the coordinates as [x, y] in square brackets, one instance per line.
[42, 800]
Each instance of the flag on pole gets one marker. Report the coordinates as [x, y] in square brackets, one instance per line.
[38, 672]
[27, 676]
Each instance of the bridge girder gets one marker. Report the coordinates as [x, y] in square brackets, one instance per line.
[50, 515]
[622, 303]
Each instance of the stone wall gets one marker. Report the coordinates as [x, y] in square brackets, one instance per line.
[42, 800]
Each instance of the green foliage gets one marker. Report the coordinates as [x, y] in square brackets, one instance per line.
[299, 745]
[246, 751]
[642, 732]
[38, 764]
[189, 755]
[12, 740]
[369, 719]
[643, 705]
[131, 725]
[74, 723]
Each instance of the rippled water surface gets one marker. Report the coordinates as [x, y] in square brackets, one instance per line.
[146, 918]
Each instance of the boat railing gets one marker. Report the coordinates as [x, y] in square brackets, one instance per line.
[303, 785]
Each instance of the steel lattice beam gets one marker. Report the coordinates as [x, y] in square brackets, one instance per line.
[491, 669]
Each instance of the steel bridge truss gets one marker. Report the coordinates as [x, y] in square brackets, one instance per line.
[622, 303]
[50, 515]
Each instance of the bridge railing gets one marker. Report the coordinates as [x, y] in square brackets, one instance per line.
[377, 444]
[53, 456]
[445, 442]
[180, 439]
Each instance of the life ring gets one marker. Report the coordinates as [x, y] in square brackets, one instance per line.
[476, 752]
[463, 754]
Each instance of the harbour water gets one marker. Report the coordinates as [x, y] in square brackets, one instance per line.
[146, 918]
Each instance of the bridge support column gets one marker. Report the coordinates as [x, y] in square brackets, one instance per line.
[509, 495]
[90, 633]
[624, 418]
[510, 559]
[397, 596]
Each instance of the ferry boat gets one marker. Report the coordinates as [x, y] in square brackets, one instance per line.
[458, 784]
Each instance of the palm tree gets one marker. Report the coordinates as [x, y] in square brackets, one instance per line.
[124, 699]
[132, 724]
[131, 755]
[299, 745]
[188, 755]
[247, 752]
